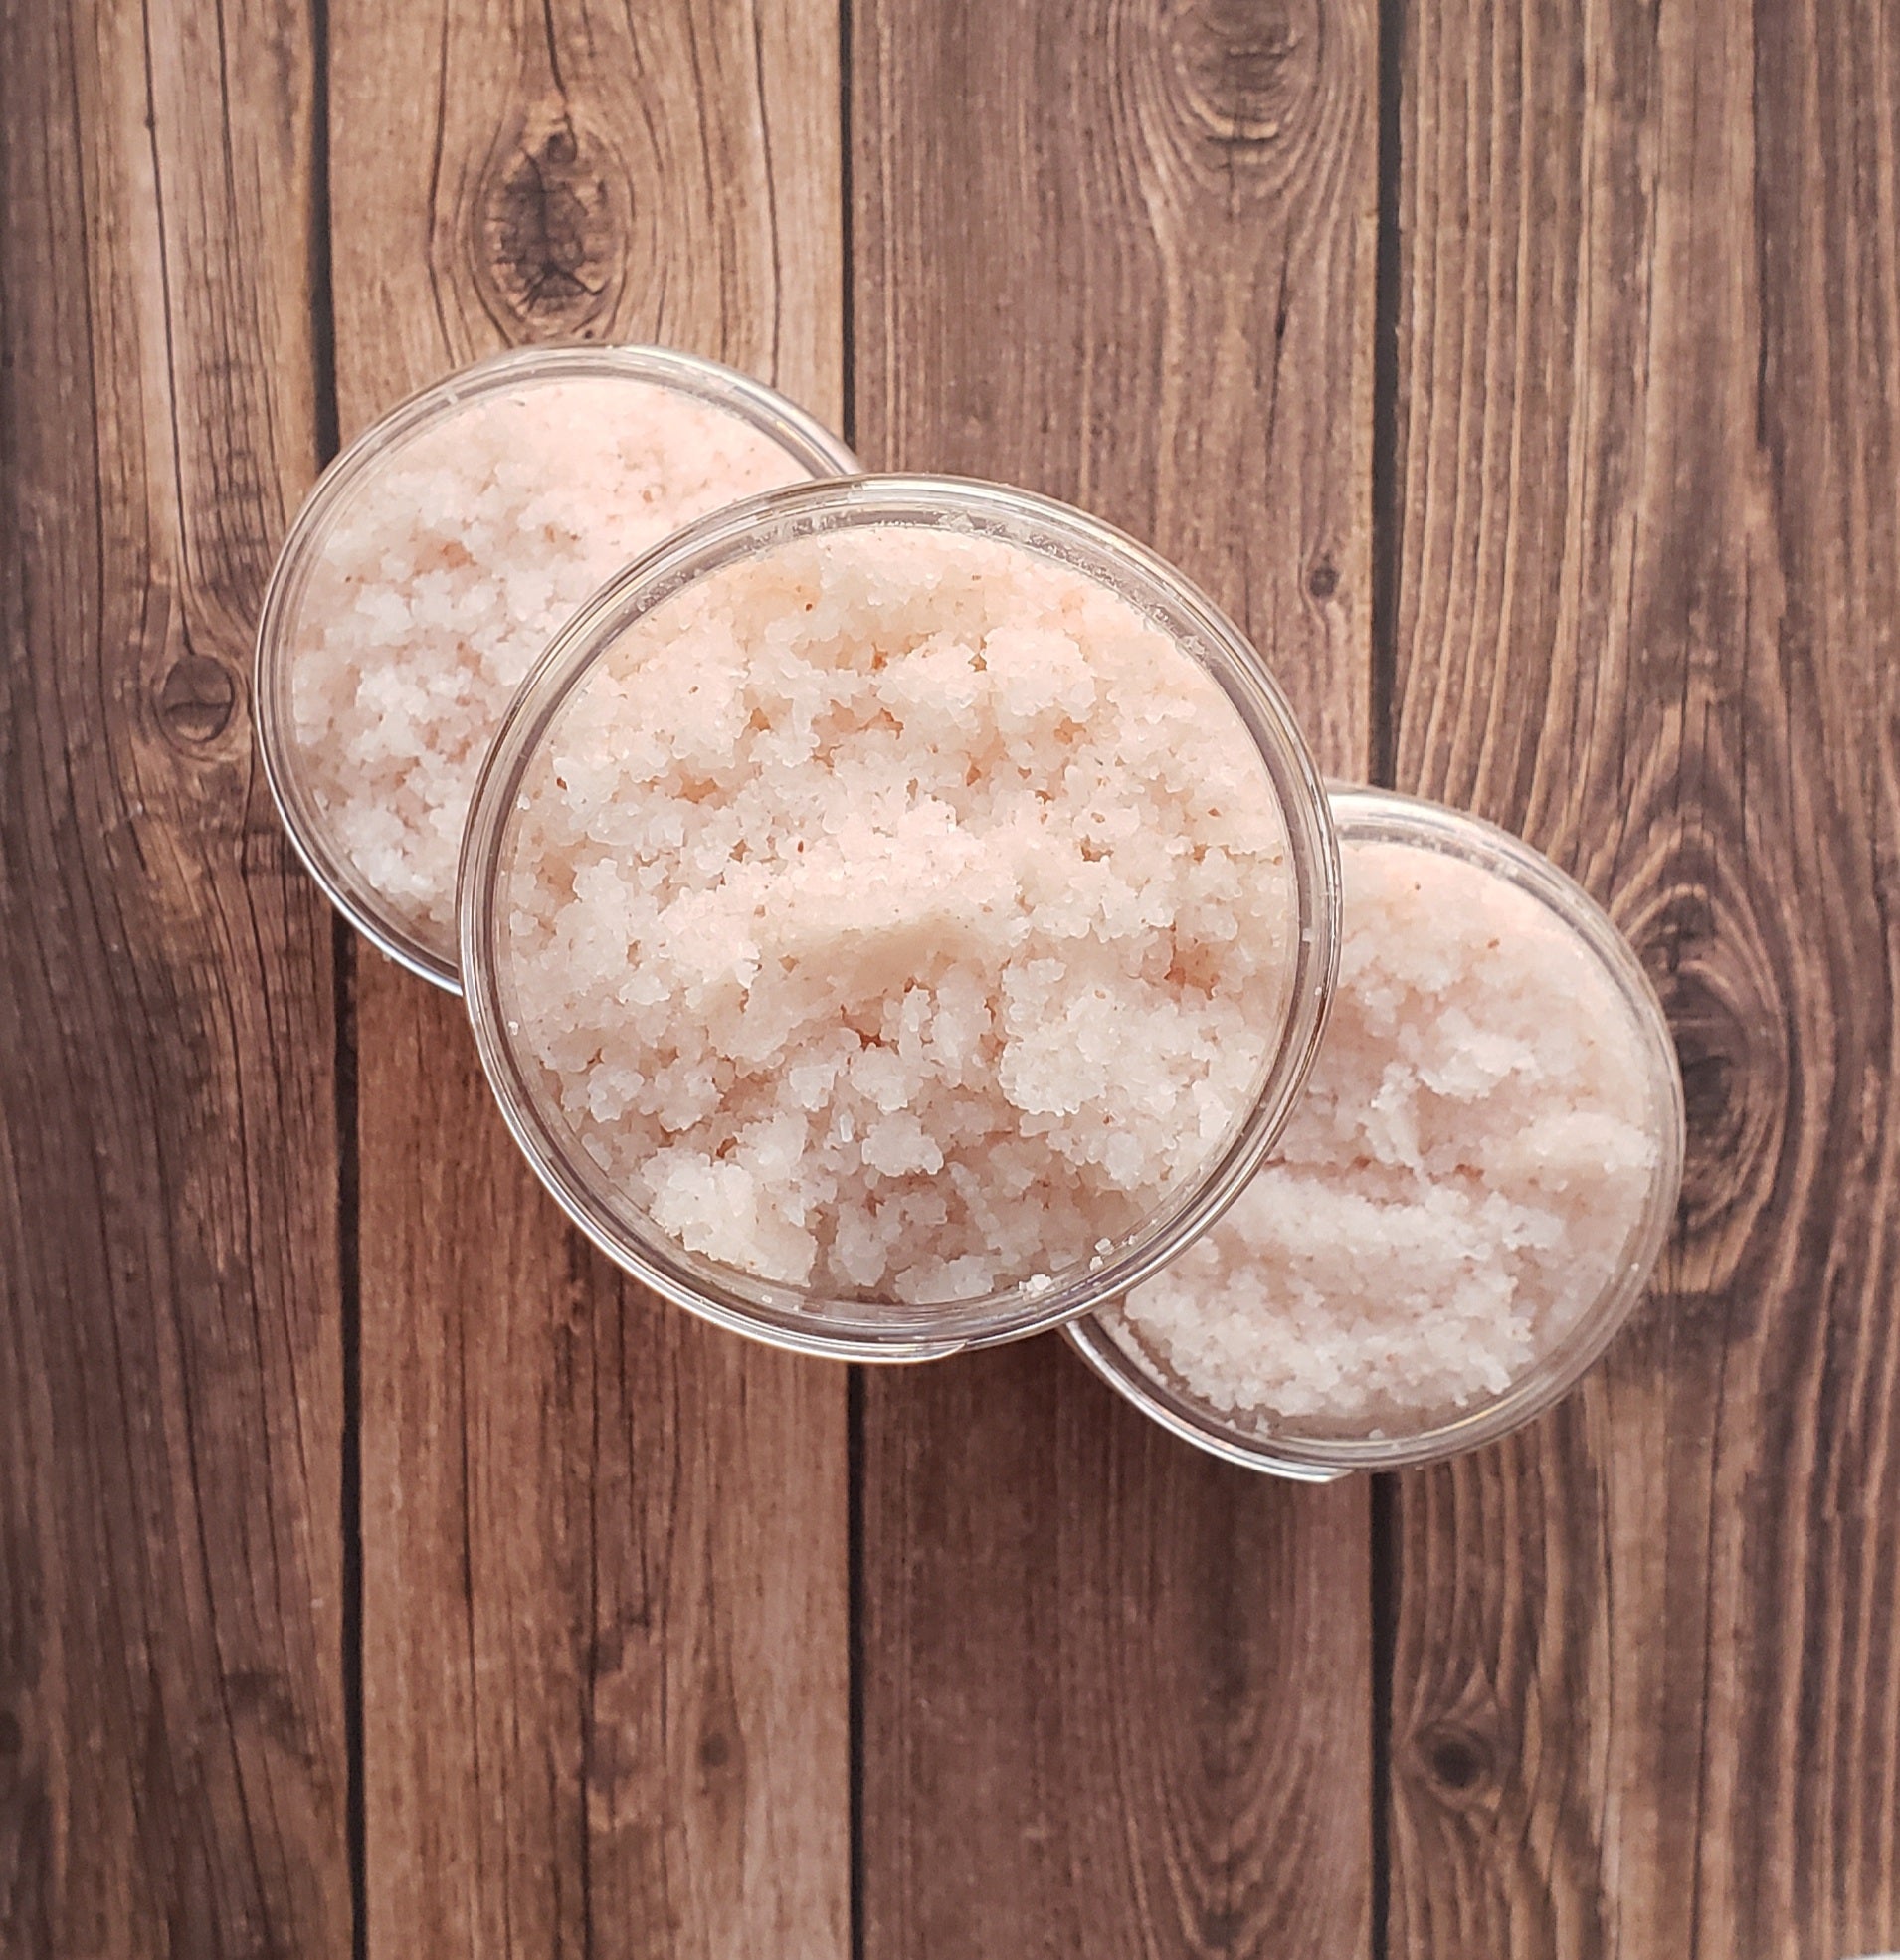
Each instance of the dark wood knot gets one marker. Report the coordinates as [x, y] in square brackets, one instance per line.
[1459, 1761]
[1245, 68]
[1705, 1046]
[1323, 580]
[1222, 1927]
[1455, 1760]
[196, 700]
[1730, 1040]
[553, 235]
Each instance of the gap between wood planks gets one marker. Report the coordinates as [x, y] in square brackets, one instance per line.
[348, 1156]
[855, 1388]
[1386, 534]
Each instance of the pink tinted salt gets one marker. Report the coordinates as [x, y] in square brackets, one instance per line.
[443, 577]
[1460, 1182]
[897, 914]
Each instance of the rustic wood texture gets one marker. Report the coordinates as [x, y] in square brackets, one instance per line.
[1643, 570]
[1647, 1689]
[172, 1766]
[605, 1572]
[1115, 1697]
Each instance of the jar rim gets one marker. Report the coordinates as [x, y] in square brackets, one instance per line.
[1374, 816]
[763, 408]
[884, 1330]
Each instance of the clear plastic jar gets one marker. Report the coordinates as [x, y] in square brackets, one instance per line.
[1318, 1451]
[1254, 717]
[310, 591]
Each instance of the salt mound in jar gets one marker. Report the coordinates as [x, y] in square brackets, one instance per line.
[1459, 1185]
[897, 913]
[456, 558]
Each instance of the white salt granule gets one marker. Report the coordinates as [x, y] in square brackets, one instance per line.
[1457, 1185]
[898, 915]
[458, 557]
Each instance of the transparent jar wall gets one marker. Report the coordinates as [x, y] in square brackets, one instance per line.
[1283, 1449]
[890, 1330]
[284, 628]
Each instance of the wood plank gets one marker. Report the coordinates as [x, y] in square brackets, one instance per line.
[1647, 1695]
[605, 1565]
[173, 1768]
[1117, 1695]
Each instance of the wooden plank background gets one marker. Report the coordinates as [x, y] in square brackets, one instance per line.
[1083, 1643]
[1647, 1689]
[604, 1635]
[379, 1571]
[172, 1750]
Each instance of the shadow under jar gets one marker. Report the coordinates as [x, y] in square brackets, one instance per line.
[898, 917]
[432, 564]
[1471, 1197]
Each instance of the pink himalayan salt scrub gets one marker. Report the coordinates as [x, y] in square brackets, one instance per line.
[446, 575]
[1460, 1183]
[897, 913]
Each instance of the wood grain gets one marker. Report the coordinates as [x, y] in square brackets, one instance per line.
[172, 1724]
[605, 1576]
[1116, 1696]
[1646, 1693]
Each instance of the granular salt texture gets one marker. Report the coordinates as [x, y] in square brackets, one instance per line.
[1456, 1186]
[459, 557]
[898, 915]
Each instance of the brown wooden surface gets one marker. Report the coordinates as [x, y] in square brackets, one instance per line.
[1647, 1695]
[1116, 1696]
[605, 1585]
[1614, 555]
[172, 1773]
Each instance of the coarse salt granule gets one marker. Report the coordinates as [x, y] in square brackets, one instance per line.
[459, 557]
[897, 914]
[1458, 1184]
